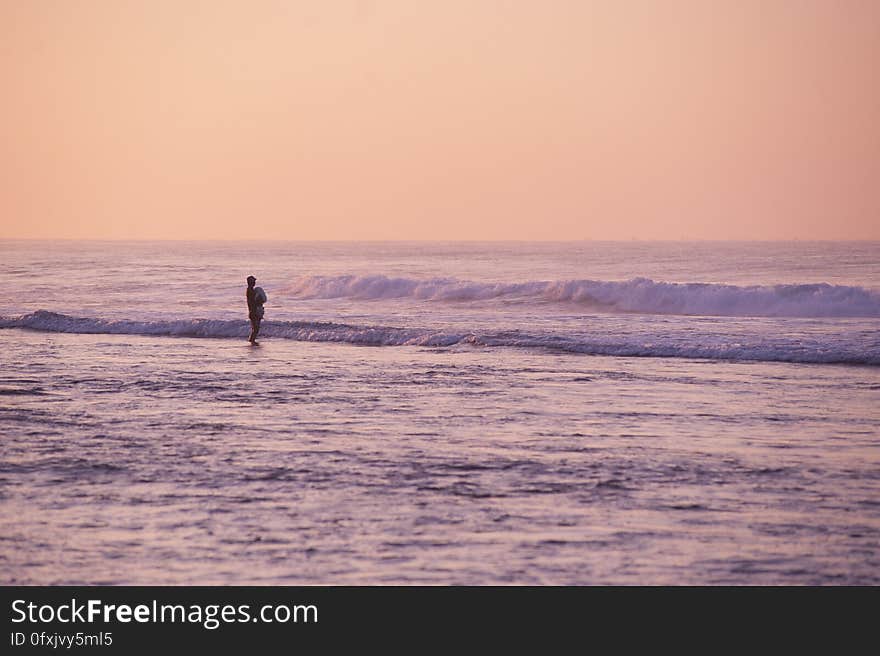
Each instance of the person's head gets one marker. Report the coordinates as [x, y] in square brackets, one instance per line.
[251, 280]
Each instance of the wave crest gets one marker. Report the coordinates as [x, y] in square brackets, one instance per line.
[640, 295]
[711, 346]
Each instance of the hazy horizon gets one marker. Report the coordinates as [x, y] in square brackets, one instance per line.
[360, 120]
[434, 241]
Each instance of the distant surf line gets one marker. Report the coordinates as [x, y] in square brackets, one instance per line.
[638, 295]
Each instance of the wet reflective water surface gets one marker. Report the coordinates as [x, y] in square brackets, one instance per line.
[143, 441]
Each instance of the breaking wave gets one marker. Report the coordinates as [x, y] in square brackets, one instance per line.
[637, 295]
[713, 347]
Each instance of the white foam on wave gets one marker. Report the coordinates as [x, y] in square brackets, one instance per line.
[307, 331]
[773, 348]
[640, 295]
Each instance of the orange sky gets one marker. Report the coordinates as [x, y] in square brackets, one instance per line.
[460, 119]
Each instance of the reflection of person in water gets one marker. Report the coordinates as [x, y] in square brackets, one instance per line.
[255, 309]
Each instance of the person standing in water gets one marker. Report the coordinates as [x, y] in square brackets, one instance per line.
[255, 299]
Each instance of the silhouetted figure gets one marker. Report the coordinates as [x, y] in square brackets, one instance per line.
[255, 299]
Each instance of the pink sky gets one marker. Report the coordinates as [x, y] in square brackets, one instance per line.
[461, 119]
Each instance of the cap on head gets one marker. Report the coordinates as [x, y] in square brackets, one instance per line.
[251, 279]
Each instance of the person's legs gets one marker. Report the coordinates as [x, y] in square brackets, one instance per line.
[255, 329]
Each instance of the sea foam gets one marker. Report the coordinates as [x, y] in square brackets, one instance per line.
[826, 349]
[640, 295]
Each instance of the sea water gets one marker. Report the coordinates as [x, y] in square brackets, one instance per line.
[440, 413]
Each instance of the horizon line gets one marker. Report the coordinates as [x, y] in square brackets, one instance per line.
[434, 241]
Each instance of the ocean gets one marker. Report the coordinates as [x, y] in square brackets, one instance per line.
[583, 413]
